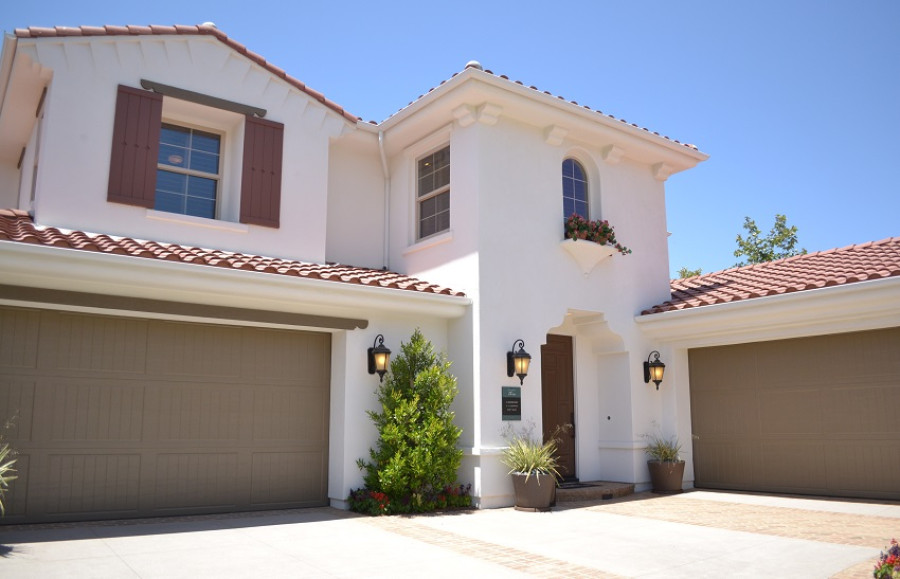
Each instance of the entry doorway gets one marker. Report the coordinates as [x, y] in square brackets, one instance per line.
[558, 398]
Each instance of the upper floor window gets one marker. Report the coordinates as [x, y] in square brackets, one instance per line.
[188, 171]
[575, 191]
[433, 192]
[179, 169]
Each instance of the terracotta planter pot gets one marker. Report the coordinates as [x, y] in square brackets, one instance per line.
[538, 493]
[666, 477]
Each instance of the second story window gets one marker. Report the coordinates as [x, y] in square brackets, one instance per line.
[433, 193]
[188, 171]
[575, 192]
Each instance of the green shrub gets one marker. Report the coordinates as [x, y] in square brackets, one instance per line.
[416, 458]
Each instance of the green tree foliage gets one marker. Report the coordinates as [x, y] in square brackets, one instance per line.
[685, 272]
[779, 243]
[416, 457]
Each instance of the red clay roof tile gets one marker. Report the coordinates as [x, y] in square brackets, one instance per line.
[17, 226]
[851, 264]
[201, 29]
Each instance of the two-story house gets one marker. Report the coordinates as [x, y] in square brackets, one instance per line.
[199, 250]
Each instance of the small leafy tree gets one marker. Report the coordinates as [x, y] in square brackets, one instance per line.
[416, 458]
[779, 243]
[685, 272]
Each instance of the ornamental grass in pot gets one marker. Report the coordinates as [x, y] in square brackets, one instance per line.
[533, 467]
[665, 464]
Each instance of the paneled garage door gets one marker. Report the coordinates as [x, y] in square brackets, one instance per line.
[125, 417]
[808, 416]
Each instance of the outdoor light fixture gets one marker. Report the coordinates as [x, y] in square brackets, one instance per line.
[654, 370]
[379, 357]
[517, 362]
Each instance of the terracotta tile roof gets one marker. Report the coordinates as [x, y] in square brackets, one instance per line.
[846, 265]
[17, 226]
[200, 29]
[536, 89]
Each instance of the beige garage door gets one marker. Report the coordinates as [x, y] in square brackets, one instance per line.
[122, 417]
[809, 416]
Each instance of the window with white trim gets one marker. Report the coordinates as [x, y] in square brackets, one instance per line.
[433, 193]
[575, 189]
[188, 171]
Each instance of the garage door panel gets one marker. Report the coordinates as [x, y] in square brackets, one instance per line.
[196, 350]
[790, 411]
[721, 368]
[726, 413]
[796, 465]
[19, 337]
[288, 356]
[124, 417]
[827, 415]
[283, 477]
[15, 500]
[87, 483]
[92, 343]
[186, 480]
[81, 410]
[850, 463]
[281, 413]
[185, 411]
[16, 407]
[862, 408]
[723, 462]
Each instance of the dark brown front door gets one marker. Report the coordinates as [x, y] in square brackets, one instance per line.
[558, 396]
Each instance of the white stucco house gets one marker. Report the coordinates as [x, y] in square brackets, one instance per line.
[198, 249]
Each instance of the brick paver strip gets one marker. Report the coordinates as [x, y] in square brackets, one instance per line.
[839, 528]
[522, 561]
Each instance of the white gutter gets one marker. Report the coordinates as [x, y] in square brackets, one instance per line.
[387, 200]
[123, 275]
[852, 307]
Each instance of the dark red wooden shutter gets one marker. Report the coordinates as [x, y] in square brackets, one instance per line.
[135, 146]
[261, 181]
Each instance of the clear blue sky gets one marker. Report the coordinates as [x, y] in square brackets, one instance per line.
[798, 103]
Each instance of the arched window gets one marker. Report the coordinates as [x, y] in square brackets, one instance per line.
[575, 191]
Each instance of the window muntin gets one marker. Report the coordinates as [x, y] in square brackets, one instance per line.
[433, 192]
[188, 171]
[575, 192]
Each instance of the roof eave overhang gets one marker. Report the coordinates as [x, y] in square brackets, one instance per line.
[859, 306]
[85, 272]
[475, 88]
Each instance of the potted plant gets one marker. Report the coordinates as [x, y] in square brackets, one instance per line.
[598, 231]
[533, 467]
[665, 464]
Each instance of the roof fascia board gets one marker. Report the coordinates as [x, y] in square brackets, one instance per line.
[866, 305]
[206, 36]
[123, 275]
[502, 88]
[163, 309]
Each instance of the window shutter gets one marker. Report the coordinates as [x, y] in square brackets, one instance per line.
[261, 181]
[135, 146]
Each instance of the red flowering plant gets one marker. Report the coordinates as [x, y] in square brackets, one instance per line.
[369, 502]
[598, 231]
[888, 565]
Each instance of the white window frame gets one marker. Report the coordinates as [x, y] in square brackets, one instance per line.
[431, 194]
[587, 184]
[217, 177]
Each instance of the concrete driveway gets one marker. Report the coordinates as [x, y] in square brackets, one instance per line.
[695, 534]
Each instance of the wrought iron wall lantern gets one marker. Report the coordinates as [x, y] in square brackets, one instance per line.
[517, 362]
[654, 370]
[379, 357]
